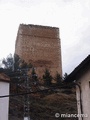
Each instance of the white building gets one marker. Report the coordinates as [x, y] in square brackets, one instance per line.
[81, 77]
[4, 101]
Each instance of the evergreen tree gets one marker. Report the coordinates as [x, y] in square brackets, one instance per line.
[47, 78]
[34, 76]
[19, 63]
[13, 68]
[8, 63]
[65, 76]
[58, 79]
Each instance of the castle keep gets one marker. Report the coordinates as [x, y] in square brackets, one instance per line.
[40, 46]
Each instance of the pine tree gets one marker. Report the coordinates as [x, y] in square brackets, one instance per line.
[34, 76]
[47, 78]
[58, 79]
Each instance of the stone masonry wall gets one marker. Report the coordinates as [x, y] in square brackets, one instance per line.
[40, 46]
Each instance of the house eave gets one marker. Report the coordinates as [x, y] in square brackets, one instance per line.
[81, 68]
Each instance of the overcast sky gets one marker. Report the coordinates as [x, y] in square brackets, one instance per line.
[71, 16]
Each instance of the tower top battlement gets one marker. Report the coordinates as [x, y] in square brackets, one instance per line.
[39, 30]
[41, 26]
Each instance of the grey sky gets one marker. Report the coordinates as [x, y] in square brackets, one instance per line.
[71, 16]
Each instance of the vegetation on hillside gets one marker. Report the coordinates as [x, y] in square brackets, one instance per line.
[45, 99]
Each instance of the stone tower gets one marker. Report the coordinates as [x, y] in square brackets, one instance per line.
[40, 46]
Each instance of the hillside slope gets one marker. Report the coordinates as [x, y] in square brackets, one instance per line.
[46, 106]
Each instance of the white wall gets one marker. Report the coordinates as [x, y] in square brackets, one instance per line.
[4, 102]
[85, 95]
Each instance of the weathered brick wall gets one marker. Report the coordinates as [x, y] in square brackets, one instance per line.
[40, 45]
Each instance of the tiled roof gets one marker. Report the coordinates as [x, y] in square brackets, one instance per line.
[4, 77]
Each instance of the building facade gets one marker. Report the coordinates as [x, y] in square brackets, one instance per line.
[81, 78]
[4, 101]
[40, 46]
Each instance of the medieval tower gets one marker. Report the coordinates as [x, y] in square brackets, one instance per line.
[40, 46]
